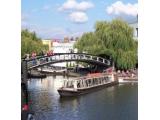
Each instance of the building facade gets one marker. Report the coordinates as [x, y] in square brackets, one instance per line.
[48, 43]
[135, 28]
[63, 47]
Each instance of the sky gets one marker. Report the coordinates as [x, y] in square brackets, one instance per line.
[56, 19]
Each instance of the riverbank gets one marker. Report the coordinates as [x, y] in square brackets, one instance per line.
[128, 80]
[127, 76]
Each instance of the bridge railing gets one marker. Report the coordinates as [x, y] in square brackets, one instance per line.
[65, 57]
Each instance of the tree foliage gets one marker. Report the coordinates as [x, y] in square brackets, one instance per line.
[114, 39]
[30, 42]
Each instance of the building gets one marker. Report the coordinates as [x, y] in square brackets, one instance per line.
[63, 47]
[135, 27]
[66, 40]
[47, 42]
[134, 24]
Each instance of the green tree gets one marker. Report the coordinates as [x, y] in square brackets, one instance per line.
[30, 42]
[114, 39]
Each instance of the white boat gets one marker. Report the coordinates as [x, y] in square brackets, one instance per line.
[127, 80]
[86, 84]
[51, 70]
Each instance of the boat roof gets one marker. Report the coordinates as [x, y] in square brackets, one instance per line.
[89, 77]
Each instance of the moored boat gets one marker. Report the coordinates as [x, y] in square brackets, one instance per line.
[50, 70]
[128, 79]
[86, 84]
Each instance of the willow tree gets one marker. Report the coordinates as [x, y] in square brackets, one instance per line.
[30, 42]
[114, 39]
[88, 43]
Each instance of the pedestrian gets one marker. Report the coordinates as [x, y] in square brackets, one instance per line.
[34, 57]
[48, 53]
[26, 56]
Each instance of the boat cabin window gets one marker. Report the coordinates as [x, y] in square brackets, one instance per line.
[68, 84]
[78, 84]
[86, 82]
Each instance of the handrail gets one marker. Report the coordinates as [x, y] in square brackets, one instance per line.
[62, 57]
[45, 56]
[91, 77]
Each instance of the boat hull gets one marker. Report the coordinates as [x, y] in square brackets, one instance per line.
[67, 93]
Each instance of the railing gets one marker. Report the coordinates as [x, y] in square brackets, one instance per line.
[88, 81]
[62, 57]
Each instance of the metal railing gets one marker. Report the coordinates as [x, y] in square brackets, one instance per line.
[64, 57]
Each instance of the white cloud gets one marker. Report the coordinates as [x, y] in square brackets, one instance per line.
[70, 4]
[119, 8]
[76, 10]
[74, 5]
[78, 17]
[83, 6]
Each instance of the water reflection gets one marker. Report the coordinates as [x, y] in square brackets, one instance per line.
[118, 102]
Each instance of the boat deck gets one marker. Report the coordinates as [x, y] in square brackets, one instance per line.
[86, 84]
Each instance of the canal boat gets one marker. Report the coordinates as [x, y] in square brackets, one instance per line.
[86, 84]
[128, 79]
[51, 70]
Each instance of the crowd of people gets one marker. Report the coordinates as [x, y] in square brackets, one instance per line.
[127, 73]
[132, 73]
[33, 55]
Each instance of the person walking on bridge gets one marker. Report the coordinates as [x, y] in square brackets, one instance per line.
[33, 57]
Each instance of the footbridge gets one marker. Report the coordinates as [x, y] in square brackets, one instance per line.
[39, 61]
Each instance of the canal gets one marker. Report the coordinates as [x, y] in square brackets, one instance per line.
[118, 102]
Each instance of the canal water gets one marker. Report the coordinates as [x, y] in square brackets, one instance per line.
[118, 102]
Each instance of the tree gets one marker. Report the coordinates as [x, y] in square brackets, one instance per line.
[30, 42]
[114, 39]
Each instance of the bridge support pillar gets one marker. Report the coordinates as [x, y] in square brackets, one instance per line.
[24, 71]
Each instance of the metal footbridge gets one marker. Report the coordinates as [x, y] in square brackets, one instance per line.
[40, 61]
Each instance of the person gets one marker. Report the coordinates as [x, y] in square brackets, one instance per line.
[109, 70]
[33, 57]
[48, 53]
[52, 53]
[123, 74]
[26, 113]
[26, 56]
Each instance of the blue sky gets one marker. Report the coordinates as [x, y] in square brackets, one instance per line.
[60, 18]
